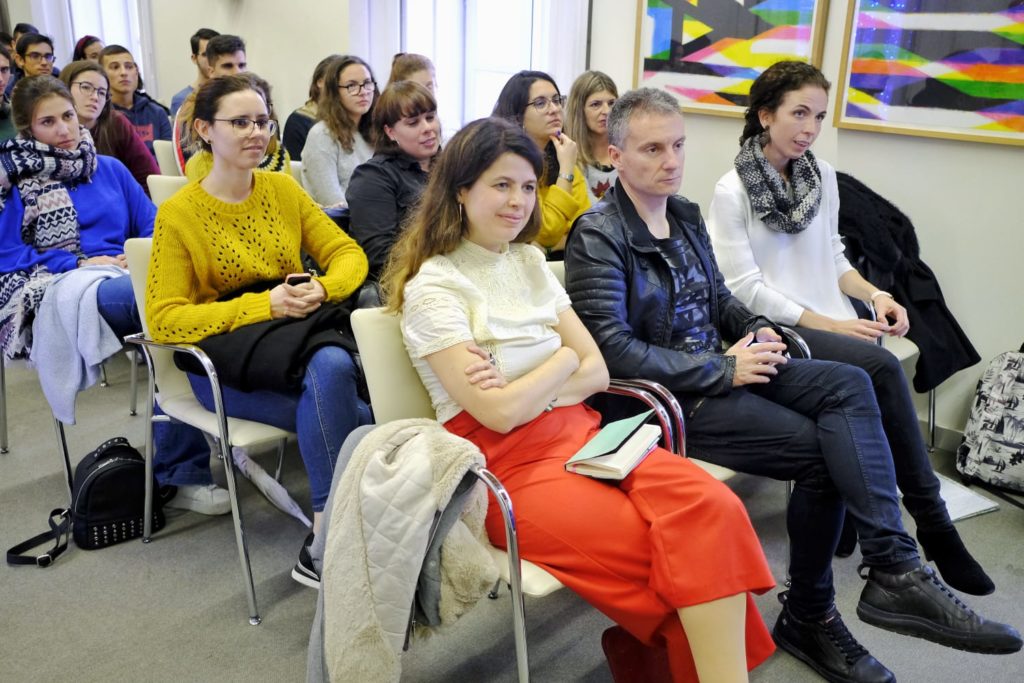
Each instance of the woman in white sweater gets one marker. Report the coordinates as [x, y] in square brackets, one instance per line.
[774, 223]
[340, 141]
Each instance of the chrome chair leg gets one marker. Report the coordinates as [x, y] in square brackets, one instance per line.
[515, 571]
[3, 407]
[133, 400]
[103, 375]
[931, 421]
[62, 444]
[493, 594]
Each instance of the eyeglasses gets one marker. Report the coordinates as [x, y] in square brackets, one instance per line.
[356, 88]
[40, 57]
[244, 127]
[88, 89]
[542, 103]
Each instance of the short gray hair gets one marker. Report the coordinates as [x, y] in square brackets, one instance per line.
[639, 101]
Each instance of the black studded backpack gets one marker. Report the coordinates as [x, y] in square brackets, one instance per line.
[107, 505]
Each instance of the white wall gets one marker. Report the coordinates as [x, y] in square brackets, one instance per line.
[965, 198]
[284, 41]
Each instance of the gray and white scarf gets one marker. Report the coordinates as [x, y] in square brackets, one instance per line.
[780, 210]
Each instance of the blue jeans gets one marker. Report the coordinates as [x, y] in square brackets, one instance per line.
[914, 473]
[816, 423]
[322, 413]
[116, 302]
[182, 454]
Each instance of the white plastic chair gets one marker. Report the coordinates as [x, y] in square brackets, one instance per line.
[397, 393]
[171, 390]
[165, 157]
[163, 187]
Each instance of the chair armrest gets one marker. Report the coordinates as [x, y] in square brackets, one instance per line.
[795, 341]
[648, 399]
[669, 403]
[145, 343]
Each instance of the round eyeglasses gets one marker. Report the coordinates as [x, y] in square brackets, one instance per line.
[244, 127]
[88, 89]
[542, 103]
[356, 88]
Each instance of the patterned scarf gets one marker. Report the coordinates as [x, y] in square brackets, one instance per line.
[42, 174]
[766, 188]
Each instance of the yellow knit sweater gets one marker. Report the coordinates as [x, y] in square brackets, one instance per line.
[204, 248]
[559, 209]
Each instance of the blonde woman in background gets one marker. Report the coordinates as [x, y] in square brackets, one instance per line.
[586, 121]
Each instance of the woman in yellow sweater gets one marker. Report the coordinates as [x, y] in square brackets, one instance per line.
[223, 248]
[531, 99]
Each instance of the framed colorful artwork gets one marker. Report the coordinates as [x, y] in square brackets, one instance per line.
[708, 52]
[934, 68]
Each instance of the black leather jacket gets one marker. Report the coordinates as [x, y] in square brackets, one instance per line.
[622, 289]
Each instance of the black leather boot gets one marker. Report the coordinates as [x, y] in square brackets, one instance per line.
[828, 647]
[958, 568]
[918, 604]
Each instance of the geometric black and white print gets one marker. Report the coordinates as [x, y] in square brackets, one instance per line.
[993, 446]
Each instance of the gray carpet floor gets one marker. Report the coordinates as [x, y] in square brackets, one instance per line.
[175, 610]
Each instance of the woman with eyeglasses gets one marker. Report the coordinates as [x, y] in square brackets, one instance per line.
[590, 100]
[341, 140]
[276, 159]
[112, 133]
[531, 99]
[227, 255]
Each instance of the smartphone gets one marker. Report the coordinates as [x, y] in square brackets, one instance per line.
[298, 279]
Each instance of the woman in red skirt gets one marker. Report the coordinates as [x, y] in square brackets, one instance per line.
[668, 552]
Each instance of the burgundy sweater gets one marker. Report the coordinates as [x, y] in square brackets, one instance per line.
[129, 149]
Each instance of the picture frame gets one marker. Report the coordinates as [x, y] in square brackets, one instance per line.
[707, 52]
[957, 75]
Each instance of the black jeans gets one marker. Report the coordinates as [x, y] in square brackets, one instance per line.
[816, 423]
[914, 473]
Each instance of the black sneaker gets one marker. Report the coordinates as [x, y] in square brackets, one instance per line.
[918, 604]
[304, 572]
[828, 647]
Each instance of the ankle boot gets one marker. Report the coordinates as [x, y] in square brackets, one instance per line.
[917, 603]
[827, 646]
[957, 567]
[633, 662]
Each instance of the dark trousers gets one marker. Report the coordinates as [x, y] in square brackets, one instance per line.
[914, 473]
[816, 423]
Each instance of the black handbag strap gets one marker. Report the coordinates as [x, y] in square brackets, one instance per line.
[59, 533]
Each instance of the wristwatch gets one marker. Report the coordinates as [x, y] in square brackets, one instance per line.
[567, 176]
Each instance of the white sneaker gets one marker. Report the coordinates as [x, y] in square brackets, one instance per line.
[206, 500]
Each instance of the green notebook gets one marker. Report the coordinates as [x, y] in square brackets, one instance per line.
[617, 448]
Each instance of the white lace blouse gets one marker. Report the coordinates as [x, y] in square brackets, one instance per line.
[507, 303]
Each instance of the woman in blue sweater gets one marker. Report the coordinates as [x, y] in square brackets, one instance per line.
[62, 207]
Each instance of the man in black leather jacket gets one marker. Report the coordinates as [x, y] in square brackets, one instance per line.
[642, 277]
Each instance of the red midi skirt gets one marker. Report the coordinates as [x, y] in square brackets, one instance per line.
[667, 536]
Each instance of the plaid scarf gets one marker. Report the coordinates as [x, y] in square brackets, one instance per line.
[769, 198]
[42, 173]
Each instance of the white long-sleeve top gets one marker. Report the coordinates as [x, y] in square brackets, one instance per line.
[776, 274]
